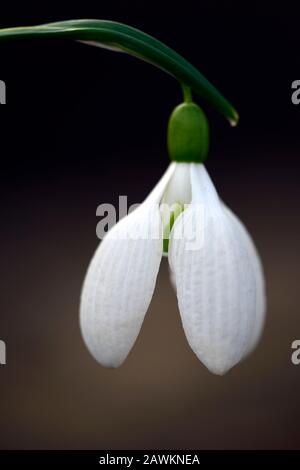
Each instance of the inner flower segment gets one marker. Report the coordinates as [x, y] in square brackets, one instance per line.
[168, 222]
[175, 199]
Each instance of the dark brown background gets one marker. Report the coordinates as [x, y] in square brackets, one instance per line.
[83, 126]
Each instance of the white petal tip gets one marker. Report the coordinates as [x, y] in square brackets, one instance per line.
[105, 360]
[216, 364]
[219, 369]
[109, 364]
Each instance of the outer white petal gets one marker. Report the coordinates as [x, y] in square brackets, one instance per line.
[219, 283]
[259, 278]
[120, 281]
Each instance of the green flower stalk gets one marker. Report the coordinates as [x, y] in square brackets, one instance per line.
[121, 37]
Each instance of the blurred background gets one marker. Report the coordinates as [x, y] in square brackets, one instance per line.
[83, 126]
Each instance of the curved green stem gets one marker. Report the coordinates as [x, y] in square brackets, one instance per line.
[118, 36]
[187, 93]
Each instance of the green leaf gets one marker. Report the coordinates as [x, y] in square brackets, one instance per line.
[121, 37]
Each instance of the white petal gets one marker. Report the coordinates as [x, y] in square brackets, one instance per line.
[219, 280]
[178, 190]
[259, 278]
[121, 279]
[157, 192]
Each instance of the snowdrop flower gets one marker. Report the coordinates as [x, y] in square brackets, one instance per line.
[214, 266]
[213, 262]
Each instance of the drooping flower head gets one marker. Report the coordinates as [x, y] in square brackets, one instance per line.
[214, 265]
